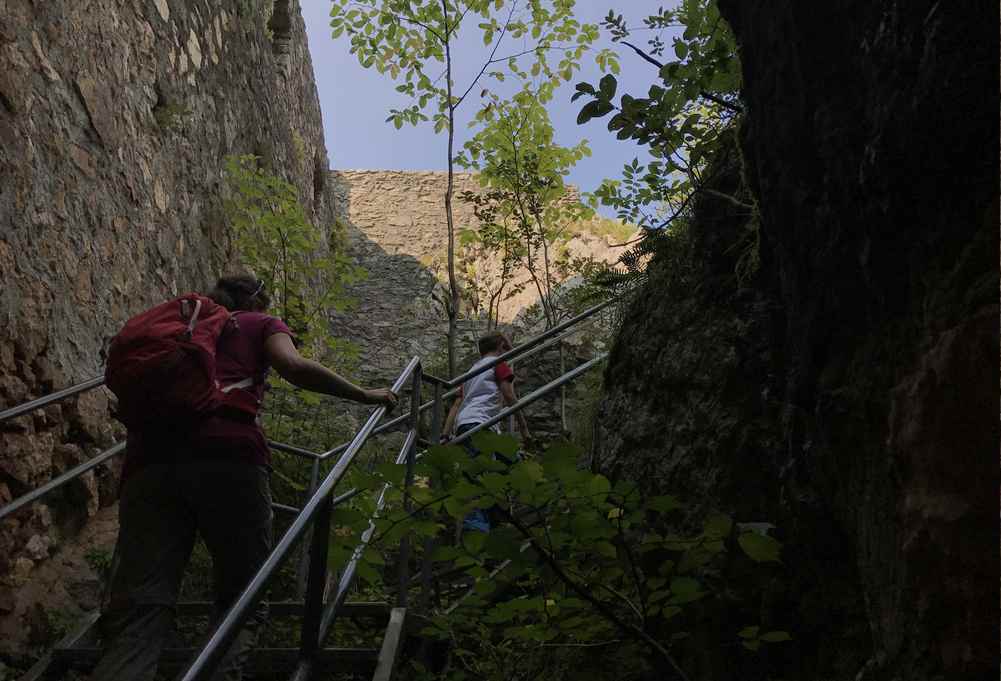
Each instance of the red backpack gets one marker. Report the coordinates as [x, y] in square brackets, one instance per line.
[162, 364]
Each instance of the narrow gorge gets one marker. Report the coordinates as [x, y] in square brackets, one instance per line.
[814, 354]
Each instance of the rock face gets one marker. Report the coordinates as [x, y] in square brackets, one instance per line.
[115, 119]
[848, 394]
[397, 231]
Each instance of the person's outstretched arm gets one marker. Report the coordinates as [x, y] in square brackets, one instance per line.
[305, 373]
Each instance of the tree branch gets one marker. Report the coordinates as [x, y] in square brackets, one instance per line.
[400, 17]
[722, 102]
[489, 60]
[580, 645]
[726, 197]
[643, 54]
[537, 48]
[702, 93]
[602, 608]
[640, 591]
[623, 598]
[408, 516]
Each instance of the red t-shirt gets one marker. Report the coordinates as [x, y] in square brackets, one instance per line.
[240, 354]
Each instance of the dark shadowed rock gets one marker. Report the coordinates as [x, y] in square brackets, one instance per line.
[849, 393]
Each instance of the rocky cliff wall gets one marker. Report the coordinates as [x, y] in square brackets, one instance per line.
[396, 229]
[849, 394]
[115, 119]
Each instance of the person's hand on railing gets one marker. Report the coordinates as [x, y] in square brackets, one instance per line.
[381, 396]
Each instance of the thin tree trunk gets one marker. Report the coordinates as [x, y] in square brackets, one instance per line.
[453, 286]
[526, 229]
[546, 265]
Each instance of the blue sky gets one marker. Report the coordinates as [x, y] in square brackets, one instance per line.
[355, 101]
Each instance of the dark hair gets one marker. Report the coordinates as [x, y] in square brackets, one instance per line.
[492, 342]
[240, 292]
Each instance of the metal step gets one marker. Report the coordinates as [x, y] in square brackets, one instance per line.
[392, 644]
[79, 649]
[276, 609]
[266, 660]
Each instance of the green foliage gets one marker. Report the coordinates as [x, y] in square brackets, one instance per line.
[411, 39]
[693, 101]
[616, 230]
[307, 272]
[170, 116]
[525, 215]
[59, 622]
[298, 147]
[99, 559]
[586, 560]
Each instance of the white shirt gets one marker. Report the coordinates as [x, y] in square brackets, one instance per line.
[481, 395]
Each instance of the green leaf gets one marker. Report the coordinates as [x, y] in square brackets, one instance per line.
[760, 548]
[489, 442]
[717, 526]
[457, 508]
[503, 543]
[607, 86]
[560, 459]
[670, 611]
[485, 587]
[445, 553]
[749, 632]
[664, 504]
[524, 476]
[445, 457]
[494, 482]
[474, 541]
[392, 473]
[598, 488]
[684, 587]
[606, 549]
[373, 556]
[775, 636]
[367, 572]
[589, 111]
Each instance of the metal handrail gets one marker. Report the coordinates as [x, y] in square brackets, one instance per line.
[528, 345]
[535, 345]
[210, 655]
[58, 482]
[20, 409]
[290, 449]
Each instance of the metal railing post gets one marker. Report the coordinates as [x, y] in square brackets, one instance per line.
[408, 482]
[436, 412]
[316, 583]
[510, 419]
[427, 566]
[302, 571]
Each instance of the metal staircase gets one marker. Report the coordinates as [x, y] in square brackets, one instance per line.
[324, 599]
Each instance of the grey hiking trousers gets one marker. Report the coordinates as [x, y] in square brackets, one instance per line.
[161, 508]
